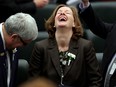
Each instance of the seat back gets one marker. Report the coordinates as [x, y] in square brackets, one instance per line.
[43, 14]
[97, 41]
[99, 58]
[104, 10]
[23, 67]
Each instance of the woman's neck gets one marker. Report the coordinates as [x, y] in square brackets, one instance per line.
[63, 38]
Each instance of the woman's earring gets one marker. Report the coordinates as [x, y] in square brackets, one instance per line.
[73, 25]
[54, 26]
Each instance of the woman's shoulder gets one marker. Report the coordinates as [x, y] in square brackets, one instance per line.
[85, 43]
[83, 40]
[44, 41]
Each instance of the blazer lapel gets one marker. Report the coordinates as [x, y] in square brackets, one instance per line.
[54, 55]
[73, 48]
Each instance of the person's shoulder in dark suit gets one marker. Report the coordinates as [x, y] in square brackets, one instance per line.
[113, 80]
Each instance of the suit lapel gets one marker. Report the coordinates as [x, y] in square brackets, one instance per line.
[72, 49]
[2, 50]
[3, 67]
[54, 55]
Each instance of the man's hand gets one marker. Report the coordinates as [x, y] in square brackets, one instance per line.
[40, 3]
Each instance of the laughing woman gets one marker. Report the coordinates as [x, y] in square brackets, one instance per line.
[65, 57]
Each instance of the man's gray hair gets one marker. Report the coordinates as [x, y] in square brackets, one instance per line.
[22, 24]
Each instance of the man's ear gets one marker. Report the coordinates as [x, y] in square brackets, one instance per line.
[14, 36]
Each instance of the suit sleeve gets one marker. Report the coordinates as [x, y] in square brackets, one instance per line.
[93, 68]
[94, 23]
[35, 63]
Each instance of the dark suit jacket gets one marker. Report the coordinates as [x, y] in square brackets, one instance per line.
[10, 7]
[103, 30]
[3, 67]
[113, 80]
[83, 72]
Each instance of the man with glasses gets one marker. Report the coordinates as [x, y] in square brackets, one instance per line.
[17, 31]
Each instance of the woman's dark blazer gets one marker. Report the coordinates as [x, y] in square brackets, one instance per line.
[103, 30]
[82, 72]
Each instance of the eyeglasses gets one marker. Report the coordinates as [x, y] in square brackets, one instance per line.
[24, 43]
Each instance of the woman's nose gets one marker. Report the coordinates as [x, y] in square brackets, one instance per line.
[62, 13]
